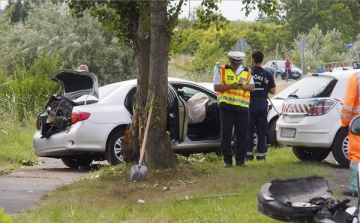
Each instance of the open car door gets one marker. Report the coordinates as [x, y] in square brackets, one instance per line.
[177, 116]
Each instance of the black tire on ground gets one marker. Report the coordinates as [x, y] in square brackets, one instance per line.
[77, 161]
[278, 76]
[310, 154]
[340, 149]
[113, 149]
[272, 140]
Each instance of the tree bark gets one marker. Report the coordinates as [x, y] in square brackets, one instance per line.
[158, 150]
[131, 142]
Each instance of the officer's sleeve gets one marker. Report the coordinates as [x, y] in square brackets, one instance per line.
[350, 100]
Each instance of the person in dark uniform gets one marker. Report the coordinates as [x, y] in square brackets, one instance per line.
[264, 84]
[233, 84]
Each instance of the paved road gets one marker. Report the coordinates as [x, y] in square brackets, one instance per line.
[24, 187]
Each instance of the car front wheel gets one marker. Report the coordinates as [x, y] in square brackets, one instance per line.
[310, 154]
[77, 161]
[340, 149]
[113, 150]
[272, 140]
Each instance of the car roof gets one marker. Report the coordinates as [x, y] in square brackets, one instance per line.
[133, 81]
[338, 74]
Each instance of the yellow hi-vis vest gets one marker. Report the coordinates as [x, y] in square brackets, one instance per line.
[234, 97]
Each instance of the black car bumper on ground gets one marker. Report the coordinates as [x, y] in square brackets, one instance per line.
[303, 199]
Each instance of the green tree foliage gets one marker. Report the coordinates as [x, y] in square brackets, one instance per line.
[78, 41]
[331, 20]
[18, 10]
[258, 35]
[205, 56]
[302, 15]
[25, 93]
[320, 48]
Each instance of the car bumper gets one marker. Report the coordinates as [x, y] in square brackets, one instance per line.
[317, 131]
[81, 138]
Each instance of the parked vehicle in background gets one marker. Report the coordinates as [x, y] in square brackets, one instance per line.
[85, 123]
[277, 67]
[310, 122]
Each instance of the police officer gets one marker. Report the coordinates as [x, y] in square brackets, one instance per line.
[264, 84]
[233, 84]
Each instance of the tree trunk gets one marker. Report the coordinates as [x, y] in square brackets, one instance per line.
[131, 142]
[158, 149]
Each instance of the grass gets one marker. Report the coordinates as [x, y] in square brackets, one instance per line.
[193, 192]
[16, 147]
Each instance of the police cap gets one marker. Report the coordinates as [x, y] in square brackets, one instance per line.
[236, 56]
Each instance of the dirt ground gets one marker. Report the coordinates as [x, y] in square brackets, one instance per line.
[340, 181]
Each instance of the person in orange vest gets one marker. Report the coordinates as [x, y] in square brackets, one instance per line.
[233, 84]
[351, 109]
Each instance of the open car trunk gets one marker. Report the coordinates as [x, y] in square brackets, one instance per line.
[78, 88]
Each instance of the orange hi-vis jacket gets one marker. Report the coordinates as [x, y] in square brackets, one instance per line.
[351, 109]
[234, 97]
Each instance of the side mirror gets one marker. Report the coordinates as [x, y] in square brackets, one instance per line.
[355, 126]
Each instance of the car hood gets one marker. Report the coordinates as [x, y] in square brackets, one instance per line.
[75, 84]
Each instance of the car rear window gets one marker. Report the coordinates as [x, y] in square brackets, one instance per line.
[314, 87]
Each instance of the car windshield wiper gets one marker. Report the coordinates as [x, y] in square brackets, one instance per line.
[278, 98]
[293, 96]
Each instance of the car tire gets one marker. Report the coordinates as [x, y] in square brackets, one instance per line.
[272, 140]
[75, 162]
[310, 154]
[113, 150]
[278, 75]
[340, 149]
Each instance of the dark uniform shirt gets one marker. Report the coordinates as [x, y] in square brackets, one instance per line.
[263, 80]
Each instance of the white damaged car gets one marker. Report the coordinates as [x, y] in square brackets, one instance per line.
[85, 122]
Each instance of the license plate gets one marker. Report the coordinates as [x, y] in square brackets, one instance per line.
[287, 133]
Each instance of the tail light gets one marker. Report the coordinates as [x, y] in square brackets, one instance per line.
[79, 116]
[37, 123]
[321, 107]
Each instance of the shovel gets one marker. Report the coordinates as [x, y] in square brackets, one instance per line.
[138, 172]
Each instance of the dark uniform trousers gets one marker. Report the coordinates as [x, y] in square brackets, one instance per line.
[239, 120]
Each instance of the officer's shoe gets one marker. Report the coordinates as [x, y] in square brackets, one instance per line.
[260, 158]
[249, 157]
[227, 165]
[241, 164]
